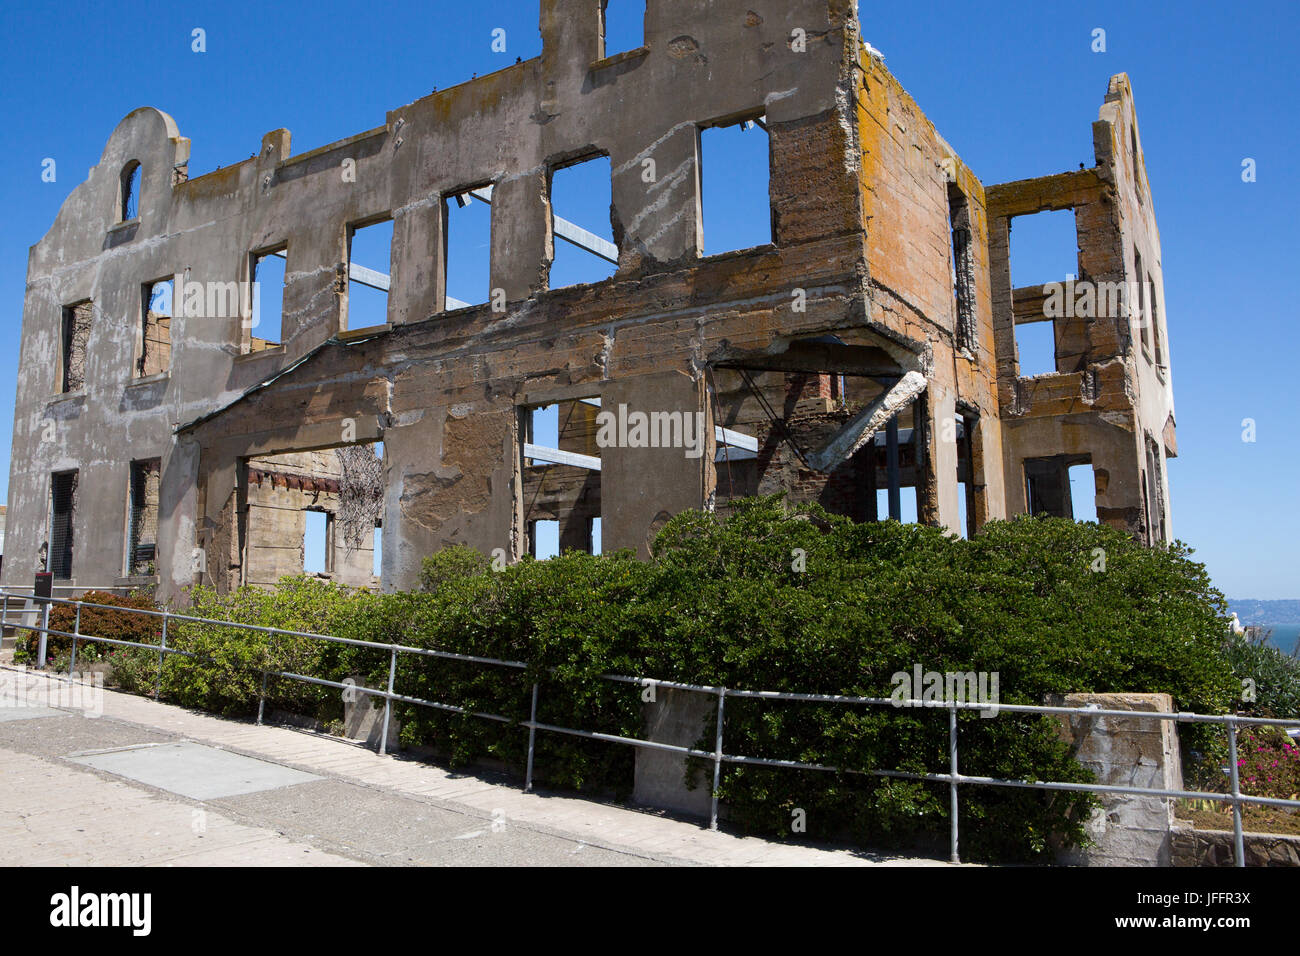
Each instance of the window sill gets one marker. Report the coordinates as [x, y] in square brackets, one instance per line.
[125, 224]
[66, 397]
[148, 379]
[627, 55]
[136, 581]
[248, 356]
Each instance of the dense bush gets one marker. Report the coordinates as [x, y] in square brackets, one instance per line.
[775, 598]
[1273, 676]
[97, 622]
[225, 673]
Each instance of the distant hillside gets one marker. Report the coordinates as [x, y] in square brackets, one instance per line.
[1251, 611]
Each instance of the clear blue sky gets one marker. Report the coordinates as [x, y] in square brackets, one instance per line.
[1013, 86]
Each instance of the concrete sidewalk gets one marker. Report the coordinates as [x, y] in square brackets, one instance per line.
[154, 784]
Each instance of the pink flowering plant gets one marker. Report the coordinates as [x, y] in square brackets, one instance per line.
[1268, 763]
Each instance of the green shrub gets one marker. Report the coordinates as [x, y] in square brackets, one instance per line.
[225, 673]
[774, 598]
[1273, 676]
[95, 622]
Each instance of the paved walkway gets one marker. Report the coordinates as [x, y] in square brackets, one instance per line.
[154, 784]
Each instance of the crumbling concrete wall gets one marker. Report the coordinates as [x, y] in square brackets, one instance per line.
[1127, 829]
[1110, 397]
[788, 345]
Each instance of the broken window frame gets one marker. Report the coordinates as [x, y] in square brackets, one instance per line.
[146, 300]
[373, 275]
[482, 192]
[969, 423]
[330, 530]
[602, 49]
[279, 250]
[70, 343]
[563, 229]
[747, 120]
[138, 507]
[533, 456]
[1156, 343]
[1144, 332]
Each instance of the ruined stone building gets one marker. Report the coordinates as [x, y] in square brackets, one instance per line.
[866, 356]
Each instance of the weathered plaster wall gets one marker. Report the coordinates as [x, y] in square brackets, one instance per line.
[856, 281]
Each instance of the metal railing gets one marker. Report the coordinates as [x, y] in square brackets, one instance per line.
[954, 778]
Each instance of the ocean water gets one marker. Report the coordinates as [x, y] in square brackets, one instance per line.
[1285, 636]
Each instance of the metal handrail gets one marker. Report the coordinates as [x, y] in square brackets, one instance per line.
[953, 778]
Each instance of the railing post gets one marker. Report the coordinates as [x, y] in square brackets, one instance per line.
[532, 739]
[4, 617]
[76, 630]
[717, 761]
[261, 699]
[42, 644]
[162, 652]
[952, 785]
[1238, 842]
[388, 702]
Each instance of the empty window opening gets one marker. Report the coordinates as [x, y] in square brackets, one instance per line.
[1036, 348]
[130, 205]
[965, 429]
[76, 334]
[893, 474]
[63, 493]
[561, 477]
[736, 208]
[963, 269]
[1044, 248]
[358, 512]
[1154, 493]
[1048, 485]
[1083, 493]
[377, 545]
[622, 26]
[907, 506]
[543, 539]
[265, 322]
[467, 250]
[1155, 322]
[156, 328]
[580, 220]
[369, 257]
[317, 542]
[1140, 304]
[142, 528]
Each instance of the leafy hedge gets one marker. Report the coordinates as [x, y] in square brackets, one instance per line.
[775, 598]
[100, 622]
[1274, 677]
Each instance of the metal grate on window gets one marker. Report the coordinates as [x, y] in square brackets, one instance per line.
[63, 490]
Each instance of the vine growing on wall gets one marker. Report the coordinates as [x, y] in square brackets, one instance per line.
[361, 494]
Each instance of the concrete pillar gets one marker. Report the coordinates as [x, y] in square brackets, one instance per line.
[1129, 830]
[674, 717]
[641, 487]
